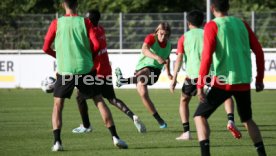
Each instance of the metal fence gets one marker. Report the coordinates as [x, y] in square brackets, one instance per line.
[123, 31]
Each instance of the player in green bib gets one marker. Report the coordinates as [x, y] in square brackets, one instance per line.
[74, 42]
[155, 54]
[227, 44]
[189, 48]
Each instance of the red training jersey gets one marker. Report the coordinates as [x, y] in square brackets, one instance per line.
[180, 45]
[100, 58]
[210, 33]
[150, 39]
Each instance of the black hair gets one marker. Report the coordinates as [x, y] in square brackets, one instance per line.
[196, 18]
[221, 5]
[94, 16]
[72, 4]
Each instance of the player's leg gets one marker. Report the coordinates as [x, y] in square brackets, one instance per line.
[61, 92]
[148, 76]
[121, 80]
[229, 109]
[85, 91]
[188, 90]
[83, 109]
[109, 93]
[214, 99]
[108, 120]
[123, 107]
[131, 80]
[203, 134]
[57, 123]
[143, 92]
[184, 116]
[104, 110]
[243, 99]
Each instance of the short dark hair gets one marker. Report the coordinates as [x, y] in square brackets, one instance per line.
[196, 18]
[221, 5]
[72, 4]
[94, 16]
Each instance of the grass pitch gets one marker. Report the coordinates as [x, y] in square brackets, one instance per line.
[25, 126]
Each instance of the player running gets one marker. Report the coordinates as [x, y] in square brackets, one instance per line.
[155, 53]
[190, 47]
[104, 72]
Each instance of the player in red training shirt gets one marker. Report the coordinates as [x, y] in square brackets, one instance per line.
[227, 44]
[104, 74]
[189, 48]
[155, 53]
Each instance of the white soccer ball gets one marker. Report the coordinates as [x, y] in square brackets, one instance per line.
[48, 84]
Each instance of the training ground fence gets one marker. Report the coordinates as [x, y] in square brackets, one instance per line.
[123, 30]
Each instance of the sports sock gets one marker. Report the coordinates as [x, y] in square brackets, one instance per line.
[85, 121]
[260, 148]
[113, 132]
[158, 118]
[186, 126]
[57, 135]
[84, 113]
[205, 147]
[122, 106]
[230, 116]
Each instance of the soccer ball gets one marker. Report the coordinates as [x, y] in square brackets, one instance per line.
[48, 84]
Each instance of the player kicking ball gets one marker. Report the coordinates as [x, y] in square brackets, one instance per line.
[155, 53]
[104, 74]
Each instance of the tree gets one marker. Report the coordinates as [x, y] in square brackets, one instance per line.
[252, 5]
[141, 6]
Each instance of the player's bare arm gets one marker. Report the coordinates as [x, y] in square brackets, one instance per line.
[177, 66]
[146, 51]
[167, 66]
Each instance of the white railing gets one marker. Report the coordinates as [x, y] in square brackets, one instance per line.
[111, 51]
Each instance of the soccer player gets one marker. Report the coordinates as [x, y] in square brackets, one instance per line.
[74, 40]
[190, 47]
[156, 50]
[227, 42]
[104, 72]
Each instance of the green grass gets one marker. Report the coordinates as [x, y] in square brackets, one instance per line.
[25, 126]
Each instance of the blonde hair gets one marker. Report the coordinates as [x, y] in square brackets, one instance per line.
[163, 26]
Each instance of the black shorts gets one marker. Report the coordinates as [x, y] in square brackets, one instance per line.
[216, 97]
[189, 87]
[153, 71]
[105, 88]
[64, 87]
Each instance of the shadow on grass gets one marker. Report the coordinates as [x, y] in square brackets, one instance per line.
[191, 146]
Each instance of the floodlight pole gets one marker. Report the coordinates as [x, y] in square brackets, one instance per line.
[208, 10]
[185, 21]
[121, 30]
[253, 20]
